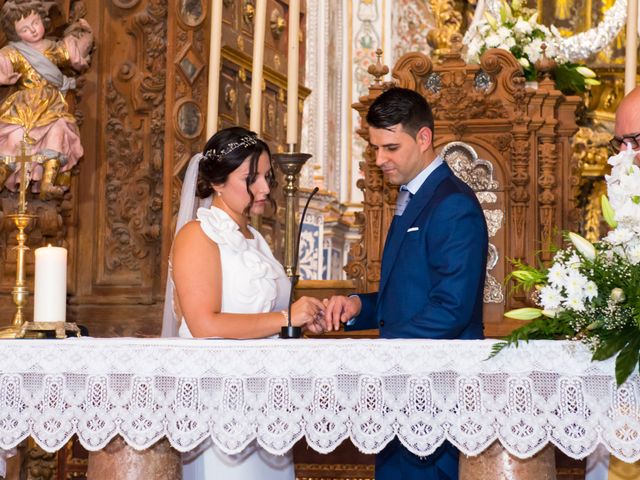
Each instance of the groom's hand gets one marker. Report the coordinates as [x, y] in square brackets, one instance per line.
[340, 309]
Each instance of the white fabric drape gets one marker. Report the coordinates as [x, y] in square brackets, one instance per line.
[189, 204]
[276, 391]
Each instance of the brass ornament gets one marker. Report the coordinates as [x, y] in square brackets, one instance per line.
[230, 97]
[277, 23]
[248, 12]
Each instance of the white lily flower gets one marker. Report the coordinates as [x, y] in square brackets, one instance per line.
[527, 313]
[490, 20]
[524, 62]
[586, 72]
[608, 212]
[584, 246]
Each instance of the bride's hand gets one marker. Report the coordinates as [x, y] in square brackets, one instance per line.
[306, 311]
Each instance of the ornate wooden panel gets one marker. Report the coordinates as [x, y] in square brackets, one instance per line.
[524, 133]
[117, 274]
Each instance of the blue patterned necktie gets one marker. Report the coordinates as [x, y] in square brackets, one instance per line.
[404, 196]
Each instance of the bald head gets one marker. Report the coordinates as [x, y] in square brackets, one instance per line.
[628, 114]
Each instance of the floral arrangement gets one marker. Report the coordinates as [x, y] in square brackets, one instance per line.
[518, 31]
[591, 292]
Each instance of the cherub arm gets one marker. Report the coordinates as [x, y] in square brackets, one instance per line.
[78, 39]
[8, 76]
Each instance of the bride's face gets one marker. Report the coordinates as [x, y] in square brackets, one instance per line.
[234, 191]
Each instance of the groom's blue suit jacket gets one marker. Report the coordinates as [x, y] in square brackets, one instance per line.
[433, 266]
[431, 286]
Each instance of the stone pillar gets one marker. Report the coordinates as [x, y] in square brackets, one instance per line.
[496, 463]
[118, 461]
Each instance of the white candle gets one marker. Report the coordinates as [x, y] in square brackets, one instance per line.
[50, 297]
[631, 53]
[256, 68]
[213, 87]
[292, 72]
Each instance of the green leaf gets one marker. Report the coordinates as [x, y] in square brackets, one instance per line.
[497, 348]
[627, 360]
[610, 346]
[568, 80]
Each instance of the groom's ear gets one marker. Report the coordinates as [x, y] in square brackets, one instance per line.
[424, 139]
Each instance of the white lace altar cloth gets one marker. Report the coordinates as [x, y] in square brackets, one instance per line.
[278, 391]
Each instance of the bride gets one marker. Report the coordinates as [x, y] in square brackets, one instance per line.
[227, 282]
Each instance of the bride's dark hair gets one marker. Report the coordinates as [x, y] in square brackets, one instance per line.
[224, 152]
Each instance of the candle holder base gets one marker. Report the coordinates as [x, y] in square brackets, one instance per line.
[61, 328]
[10, 332]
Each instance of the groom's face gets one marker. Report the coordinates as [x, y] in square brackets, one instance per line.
[400, 156]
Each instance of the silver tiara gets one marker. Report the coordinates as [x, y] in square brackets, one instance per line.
[246, 141]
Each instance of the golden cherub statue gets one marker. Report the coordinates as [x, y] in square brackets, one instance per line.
[37, 111]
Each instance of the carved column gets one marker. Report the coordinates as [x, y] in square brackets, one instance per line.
[378, 199]
[520, 155]
[496, 462]
[547, 167]
[118, 461]
[547, 201]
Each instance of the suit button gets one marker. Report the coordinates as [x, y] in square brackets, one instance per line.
[382, 323]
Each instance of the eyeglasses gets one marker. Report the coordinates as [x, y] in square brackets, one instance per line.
[633, 139]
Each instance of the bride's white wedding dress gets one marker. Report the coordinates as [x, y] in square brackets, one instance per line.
[253, 281]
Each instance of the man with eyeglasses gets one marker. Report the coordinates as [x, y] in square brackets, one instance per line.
[601, 465]
[627, 129]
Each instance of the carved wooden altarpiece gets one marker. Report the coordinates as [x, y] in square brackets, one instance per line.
[523, 174]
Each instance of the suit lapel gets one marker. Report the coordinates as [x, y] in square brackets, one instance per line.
[400, 224]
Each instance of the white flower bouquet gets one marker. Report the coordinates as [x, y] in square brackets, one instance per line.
[591, 292]
[518, 31]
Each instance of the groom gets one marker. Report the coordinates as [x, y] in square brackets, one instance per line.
[434, 259]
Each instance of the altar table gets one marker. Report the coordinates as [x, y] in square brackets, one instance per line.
[278, 391]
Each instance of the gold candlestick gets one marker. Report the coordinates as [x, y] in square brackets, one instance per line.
[21, 219]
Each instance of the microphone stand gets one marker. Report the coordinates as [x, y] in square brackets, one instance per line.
[290, 163]
[290, 331]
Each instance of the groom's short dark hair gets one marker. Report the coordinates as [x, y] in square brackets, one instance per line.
[401, 106]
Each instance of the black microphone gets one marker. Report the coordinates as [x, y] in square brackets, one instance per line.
[290, 331]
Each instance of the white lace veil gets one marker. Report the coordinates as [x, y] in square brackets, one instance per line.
[189, 204]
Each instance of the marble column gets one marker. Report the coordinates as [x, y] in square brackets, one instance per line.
[496, 463]
[118, 461]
